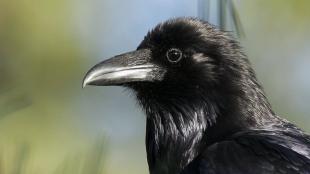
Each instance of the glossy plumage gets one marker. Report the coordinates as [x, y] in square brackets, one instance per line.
[206, 113]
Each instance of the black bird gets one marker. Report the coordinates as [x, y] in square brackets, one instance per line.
[206, 111]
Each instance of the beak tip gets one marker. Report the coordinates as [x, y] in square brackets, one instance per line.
[85, 81]
[83, 85]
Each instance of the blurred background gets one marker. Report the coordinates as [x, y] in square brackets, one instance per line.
[48, 124]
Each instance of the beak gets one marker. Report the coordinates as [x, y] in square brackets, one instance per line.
[130, 67]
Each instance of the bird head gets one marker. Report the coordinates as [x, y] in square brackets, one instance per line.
[184, 55]
[195, 85]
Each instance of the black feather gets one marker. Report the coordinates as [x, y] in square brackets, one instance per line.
[210, 114]
[206, 111]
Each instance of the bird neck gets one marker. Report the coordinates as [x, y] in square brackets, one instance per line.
[180, 125]
[175, 129]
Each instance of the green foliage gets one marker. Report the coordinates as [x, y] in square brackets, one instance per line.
[90, 161]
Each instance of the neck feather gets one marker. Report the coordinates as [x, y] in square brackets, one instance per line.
[183, 122]
[174, 133]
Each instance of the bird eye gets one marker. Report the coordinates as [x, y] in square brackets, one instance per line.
[174, 55]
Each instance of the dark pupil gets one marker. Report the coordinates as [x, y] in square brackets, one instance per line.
[174, 55]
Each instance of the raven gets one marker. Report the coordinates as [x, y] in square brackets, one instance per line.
[206, 111]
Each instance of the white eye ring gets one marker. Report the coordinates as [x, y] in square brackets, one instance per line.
[174, 55]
